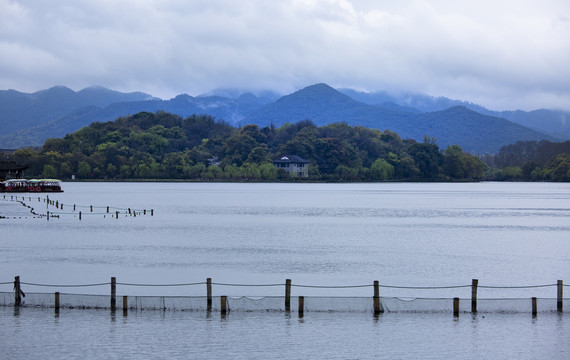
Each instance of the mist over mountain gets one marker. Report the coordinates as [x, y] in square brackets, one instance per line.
[30, 119]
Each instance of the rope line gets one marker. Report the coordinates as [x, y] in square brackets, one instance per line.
[165, 285]
[424, 287]
[332, 286]
[292, 285]
[516, 287]
[51, 285]
[259, 285]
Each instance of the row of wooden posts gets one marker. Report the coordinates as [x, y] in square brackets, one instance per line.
[59, 205]
[224, 306]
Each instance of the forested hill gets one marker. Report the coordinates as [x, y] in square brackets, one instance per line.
[165, 146]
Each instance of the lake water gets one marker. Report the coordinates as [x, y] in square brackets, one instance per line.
[409, 235]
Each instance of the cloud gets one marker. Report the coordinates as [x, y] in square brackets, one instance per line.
[508, 55]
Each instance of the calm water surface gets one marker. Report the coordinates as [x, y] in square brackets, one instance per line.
[319, 234]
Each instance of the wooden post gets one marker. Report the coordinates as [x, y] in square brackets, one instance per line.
[474, 285]
[56, 305]
[560, 295]
[209, 294]
[117, 214]
[61, 206]
[144, 211]
[125, 305]
[113, 294]
[80, 215]
[151, 212]
[73, 207]
[288, 295]
[57, 204]
[534, 308]
[301, 306]
[376, 297]
[91, 207]
[17, 292]
[456, 307]
[223, 304]
[129, 211]
[48, 215]
[107, 209]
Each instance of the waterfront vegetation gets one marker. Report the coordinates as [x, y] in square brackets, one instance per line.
[165, 146]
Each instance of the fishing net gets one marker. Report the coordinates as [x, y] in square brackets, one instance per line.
[277, 303]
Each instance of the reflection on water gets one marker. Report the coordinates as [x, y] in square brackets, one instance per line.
[94, 334]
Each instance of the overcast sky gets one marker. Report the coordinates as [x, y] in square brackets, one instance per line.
[503, 54]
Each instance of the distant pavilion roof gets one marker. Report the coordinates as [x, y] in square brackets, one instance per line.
[11, 166]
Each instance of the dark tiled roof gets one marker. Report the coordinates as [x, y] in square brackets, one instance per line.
[291, 159]
[11, 166]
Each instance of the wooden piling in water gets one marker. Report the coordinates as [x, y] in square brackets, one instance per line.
[209, 294]
[91, 207]
[151, 212]
[474, 284]
[301, 306]
[113, 294]
[56, 305]
[125, 305]
[534, 307]
[17, 292]
[117, 214]
[80, 215]
[560, 296]
[288, 295]
[376, 298]
[223, 304]
[456, 307]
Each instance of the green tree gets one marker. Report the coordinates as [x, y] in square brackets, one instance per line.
[428, 159]
[454, 162]
[49, 172]
[559, 166]
[83, 170]
[381, 170]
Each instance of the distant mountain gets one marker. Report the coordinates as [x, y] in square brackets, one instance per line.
[471, 130]
[231, 110]
[324, 105]
[474, 132]
[22, 111]
[551, 122]
[555, 123]
[29, 119]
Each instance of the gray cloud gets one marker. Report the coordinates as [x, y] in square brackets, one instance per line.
[513, 54]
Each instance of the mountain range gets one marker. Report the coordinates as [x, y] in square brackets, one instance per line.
[30, 119]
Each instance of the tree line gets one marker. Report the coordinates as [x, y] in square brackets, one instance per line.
[531, 161]
[166, 146]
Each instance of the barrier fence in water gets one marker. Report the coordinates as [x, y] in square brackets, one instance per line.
[374, 304]
[58, 209]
